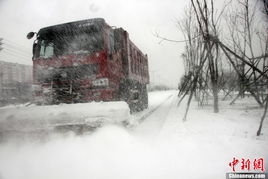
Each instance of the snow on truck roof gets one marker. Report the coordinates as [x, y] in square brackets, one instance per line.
[73, 26]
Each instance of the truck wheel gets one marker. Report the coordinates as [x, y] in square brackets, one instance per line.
[125, 95]
[135, 95]
[124, 91]
[135, 99]
[144, 96]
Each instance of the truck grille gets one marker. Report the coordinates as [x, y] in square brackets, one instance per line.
[69, 73]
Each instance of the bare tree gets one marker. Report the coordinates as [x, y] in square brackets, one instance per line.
[203, 53]
[245, 38]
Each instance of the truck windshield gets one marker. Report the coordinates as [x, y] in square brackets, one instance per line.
[65, 44]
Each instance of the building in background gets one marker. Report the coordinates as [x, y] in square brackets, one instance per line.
[15, 82]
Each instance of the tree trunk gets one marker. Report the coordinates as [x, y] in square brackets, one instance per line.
[263, 116]
[215, 96]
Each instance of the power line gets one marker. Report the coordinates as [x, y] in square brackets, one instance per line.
[16, 48]
[15, 43]
[16, 55]
[19, 53]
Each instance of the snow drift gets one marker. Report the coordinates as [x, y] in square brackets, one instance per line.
[23, 118]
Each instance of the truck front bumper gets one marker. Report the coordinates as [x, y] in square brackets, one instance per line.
[79, 96]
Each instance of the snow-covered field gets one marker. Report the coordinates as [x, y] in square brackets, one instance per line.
[160, 146]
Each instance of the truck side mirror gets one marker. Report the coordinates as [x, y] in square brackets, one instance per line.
[30, 35]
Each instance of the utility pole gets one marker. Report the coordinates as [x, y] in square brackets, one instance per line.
[1, 43]
[1, 72]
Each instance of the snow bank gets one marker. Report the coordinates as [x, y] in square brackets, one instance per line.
[162, 146]
[25, 118]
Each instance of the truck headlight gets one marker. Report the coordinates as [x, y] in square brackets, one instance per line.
[101, 82]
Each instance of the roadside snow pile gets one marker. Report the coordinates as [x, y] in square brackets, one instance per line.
[162, 146]
[23, 118]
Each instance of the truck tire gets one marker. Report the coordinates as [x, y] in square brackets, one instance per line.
[124, 89]
[135, 98]
[138, 100]
[125, 94]
[144, 97]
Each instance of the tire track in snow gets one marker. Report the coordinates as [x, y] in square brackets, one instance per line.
[152, 122]
[142, 118]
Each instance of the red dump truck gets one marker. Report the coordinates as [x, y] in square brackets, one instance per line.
[87, 61]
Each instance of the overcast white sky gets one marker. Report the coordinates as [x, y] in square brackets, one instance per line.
[141, 18]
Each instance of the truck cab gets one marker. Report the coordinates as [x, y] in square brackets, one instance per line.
[86, 61]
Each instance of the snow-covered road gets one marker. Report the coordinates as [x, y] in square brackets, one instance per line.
[154, 118]
[158, 146]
